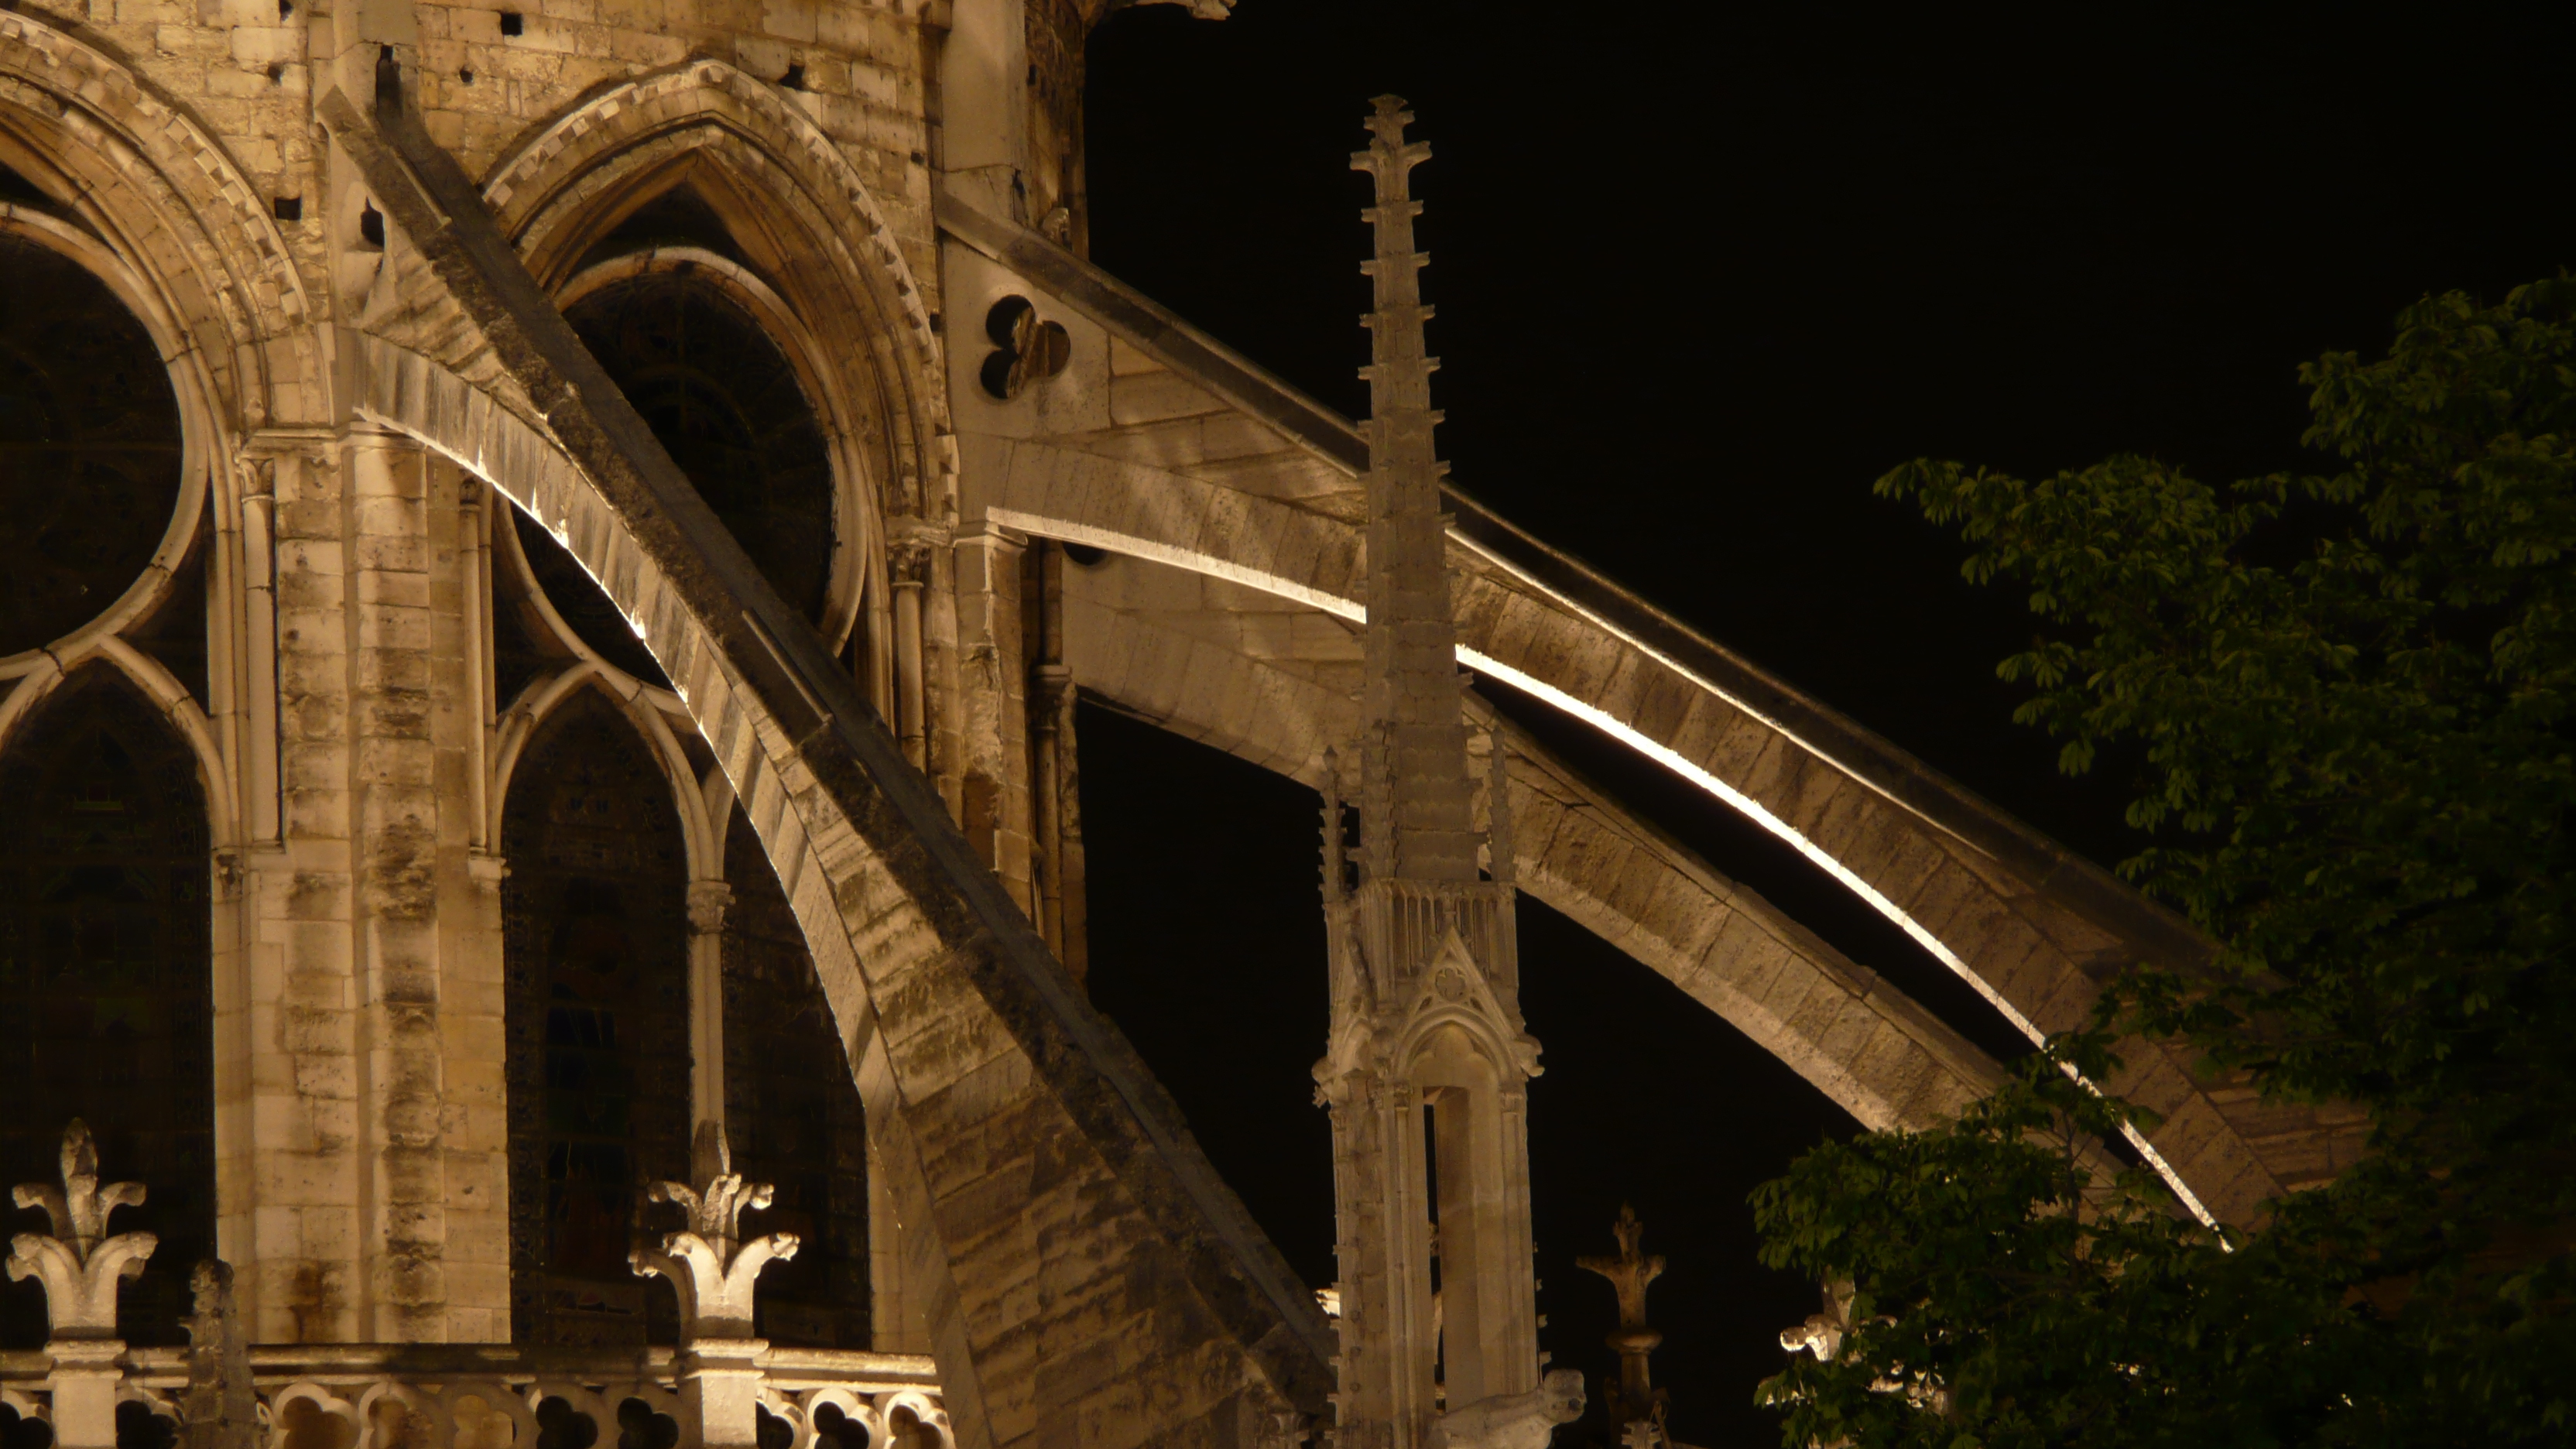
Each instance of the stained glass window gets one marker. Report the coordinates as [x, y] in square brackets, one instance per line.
[106, 980]
[89, 445]
[723, 399]
[594, 915]
[792, 1112]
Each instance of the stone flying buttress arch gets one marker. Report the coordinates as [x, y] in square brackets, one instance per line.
[1020, 1127]
[1203, 461]
[1871, 1050]
[1526, 638]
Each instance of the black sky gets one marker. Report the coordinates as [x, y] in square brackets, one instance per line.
[1701, 277]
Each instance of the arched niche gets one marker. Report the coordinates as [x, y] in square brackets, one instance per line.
[106, 977]
[1470, 1124]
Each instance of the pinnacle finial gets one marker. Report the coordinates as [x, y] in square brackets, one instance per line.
[1388, 118]
[709, 1263]
[1415, 797]
[1390, 158]
[1630, 1273]
[79, 1264]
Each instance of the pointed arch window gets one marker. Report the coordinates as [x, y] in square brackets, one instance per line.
[106, 979]
[792, 1111]
[706, 352]
[106, 929]
[722, 397]
[595, 931]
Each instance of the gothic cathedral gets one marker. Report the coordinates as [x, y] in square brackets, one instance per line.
[548, 553]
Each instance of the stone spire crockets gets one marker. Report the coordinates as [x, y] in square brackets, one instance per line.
[1414, 795]
[1426, 1069]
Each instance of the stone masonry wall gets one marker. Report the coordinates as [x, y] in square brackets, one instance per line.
[859, 68]
[362, 1182]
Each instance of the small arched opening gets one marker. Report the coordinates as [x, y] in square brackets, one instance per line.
[106, 979]
[595, 931]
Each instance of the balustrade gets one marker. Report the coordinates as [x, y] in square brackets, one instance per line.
[719, 1388]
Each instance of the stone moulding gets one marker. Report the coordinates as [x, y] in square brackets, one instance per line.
[98, 119]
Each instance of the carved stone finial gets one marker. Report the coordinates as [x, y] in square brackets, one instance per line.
[708, 1263]
[1630, 1274]
[79, 1264]
[220, 1409]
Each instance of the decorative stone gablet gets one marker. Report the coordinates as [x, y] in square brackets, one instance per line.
[79, 1264]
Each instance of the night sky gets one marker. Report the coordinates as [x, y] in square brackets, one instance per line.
[1701, 279]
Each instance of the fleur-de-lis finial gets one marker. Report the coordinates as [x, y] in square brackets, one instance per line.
[79, 1264]
[709, 1265]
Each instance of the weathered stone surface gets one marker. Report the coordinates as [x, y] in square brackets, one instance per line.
[1005, 1082]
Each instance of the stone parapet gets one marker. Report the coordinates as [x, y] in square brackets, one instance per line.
[489, 1396]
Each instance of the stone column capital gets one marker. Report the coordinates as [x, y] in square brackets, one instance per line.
[707, 902]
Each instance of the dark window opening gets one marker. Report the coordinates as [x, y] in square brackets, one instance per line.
[107, 983]
[1026, 349]
[679, 217]
[594, 915]
[89, 446]
[792, 1112]
[287, 208]
[581, 603]
[513, 23]
[724, 401]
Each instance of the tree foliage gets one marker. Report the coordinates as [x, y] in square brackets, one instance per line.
[2350, 693]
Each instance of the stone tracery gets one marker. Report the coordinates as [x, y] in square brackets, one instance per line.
[89, 446]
